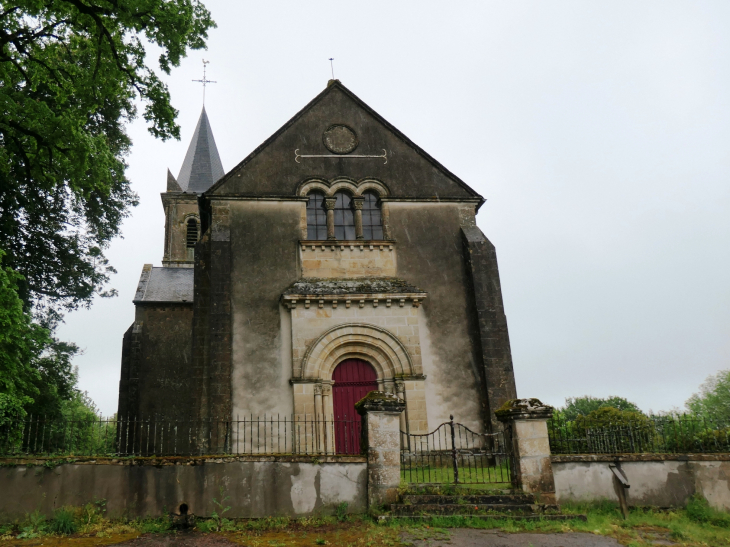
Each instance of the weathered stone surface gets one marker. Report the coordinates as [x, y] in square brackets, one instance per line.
[524, 409]
[491, 321]
[526, 428]
[662, 481]
[379, 401]
[381, 440]
[255, 488]
[343, 286]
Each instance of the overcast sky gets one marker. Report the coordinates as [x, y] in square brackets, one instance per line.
[598, 132]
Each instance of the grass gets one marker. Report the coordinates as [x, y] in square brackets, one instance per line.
[489, 477]
[697, 525]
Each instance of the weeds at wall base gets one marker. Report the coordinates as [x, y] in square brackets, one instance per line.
[697, 525]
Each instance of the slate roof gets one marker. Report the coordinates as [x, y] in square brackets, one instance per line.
[366, 285]
[174, 285]
[202, 166]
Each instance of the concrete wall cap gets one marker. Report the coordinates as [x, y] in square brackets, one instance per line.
[379, 401]
[524, 409]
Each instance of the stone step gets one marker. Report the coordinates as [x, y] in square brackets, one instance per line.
[426, 518]
[473, 499]
[469, 509]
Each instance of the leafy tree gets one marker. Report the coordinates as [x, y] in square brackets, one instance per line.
[582, 406]
[21, 341]
[36, 375]
[71, 73]
[713, 400]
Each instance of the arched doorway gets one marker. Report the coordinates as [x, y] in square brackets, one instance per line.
[354, 378]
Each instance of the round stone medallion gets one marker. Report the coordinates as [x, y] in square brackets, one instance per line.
[340, 139]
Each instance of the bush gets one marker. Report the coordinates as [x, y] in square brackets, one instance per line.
[610, 430]
[699, 510]
[341, 511]
[63, 522]
[582, 406]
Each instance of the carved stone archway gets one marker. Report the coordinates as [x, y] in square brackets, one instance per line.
[371, 343]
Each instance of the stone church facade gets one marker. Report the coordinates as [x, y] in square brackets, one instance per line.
[338, 257]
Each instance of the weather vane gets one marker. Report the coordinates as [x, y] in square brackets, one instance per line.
[205, 80]
[332, 66]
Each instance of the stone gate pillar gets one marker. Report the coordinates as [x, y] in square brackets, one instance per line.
[526, 429]
[380, 441]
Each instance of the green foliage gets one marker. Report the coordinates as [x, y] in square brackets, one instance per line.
[71, 73]
[609, 416]
[699, 510]
[34, 526]
[64, 522]
[582, 406]
[341, 511]
[36, 376]
[219, 521]
[605, 430]
[713, 401]
[153, 526]
[21, 342]
[206, 526]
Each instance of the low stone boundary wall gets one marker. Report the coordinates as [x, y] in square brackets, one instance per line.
[256, 486]
[661, 480]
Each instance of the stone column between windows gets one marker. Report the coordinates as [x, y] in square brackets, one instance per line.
[385, 219]
[357, 203]
[329, 204]
[318, 419]
[329, 432]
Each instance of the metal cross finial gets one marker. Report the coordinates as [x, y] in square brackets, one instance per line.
[205, 80]
[332, 66]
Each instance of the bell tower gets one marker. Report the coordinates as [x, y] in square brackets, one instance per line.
[201, 168]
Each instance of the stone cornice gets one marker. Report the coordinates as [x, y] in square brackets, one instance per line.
[291, 301]
[362, 245]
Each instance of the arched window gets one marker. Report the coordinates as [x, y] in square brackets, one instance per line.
[316, 217]
[192, 234]
[344, 217]
[372, 222]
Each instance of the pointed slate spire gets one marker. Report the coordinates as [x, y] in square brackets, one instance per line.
[202, 166]
[172, 185]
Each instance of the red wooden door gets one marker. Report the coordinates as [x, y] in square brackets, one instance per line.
[354, 379]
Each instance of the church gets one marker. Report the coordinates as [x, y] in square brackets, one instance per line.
[336, 259]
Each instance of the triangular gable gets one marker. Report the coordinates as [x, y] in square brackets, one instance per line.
[407, 170]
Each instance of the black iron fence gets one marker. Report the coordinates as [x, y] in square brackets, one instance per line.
[454, 454]
[127, 437]
[654, 434]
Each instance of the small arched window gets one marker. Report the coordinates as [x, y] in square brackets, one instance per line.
[316, 217]
[372, 222]
[192, 233]
[344, 217]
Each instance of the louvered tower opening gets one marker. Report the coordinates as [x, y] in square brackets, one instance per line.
[192, 235]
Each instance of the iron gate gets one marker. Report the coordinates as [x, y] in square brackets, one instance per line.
[454, 454]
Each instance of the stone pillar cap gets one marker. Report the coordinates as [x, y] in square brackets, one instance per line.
[379, 401]
[524, 409]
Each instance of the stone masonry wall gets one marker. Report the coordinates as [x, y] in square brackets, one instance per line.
[660, 480]
[493, 338]
[348, 259]
[255, 486]
[156, 355]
